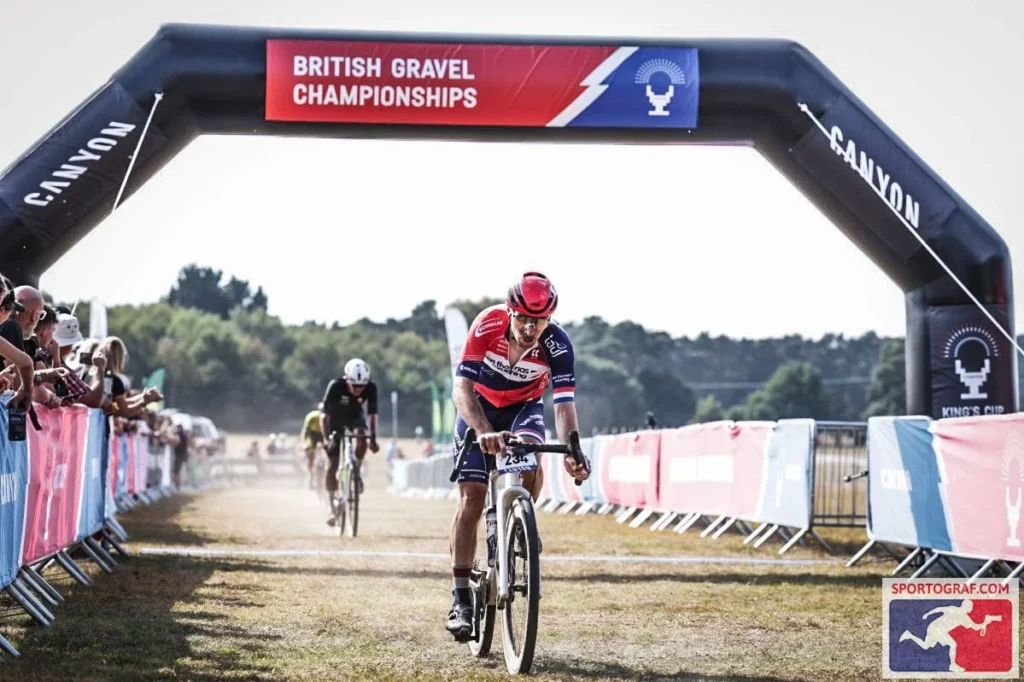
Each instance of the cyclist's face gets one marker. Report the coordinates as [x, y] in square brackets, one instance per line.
[526, 329]
[356, 388]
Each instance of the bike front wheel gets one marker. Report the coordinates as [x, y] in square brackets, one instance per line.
[519, 617]
[353, 501]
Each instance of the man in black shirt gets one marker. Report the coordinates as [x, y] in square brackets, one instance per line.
[344, 404]
[20, 326]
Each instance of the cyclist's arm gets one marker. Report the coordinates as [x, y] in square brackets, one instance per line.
[371, 409]
[329, 398]
[566, 420]
[469, 407]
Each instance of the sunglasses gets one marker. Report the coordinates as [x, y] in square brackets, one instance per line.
[535, 321]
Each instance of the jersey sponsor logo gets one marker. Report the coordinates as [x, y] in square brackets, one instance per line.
[555, 348]
[487, 327]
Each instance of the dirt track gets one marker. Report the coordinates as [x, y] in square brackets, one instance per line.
[283, 617]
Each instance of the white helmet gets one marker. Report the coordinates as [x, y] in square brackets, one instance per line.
[357, 371]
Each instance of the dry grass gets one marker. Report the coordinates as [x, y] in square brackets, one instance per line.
[355, 618]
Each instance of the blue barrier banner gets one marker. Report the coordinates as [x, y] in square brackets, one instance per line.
[90, 518]
[13, 497]
[123, 462]
[785, 497]
[597, 462]
[904, 500]
[112, 453]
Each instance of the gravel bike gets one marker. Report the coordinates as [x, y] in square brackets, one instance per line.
[345, 500]
[511, 581]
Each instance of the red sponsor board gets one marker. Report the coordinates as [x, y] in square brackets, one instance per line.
[426, 83]
[56, 455]
[714, 468]
[629, 469]
[981, 465]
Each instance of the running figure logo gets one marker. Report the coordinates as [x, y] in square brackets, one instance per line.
[956, 637]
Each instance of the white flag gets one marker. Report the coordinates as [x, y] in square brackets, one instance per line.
[97, 319]
[456, 329]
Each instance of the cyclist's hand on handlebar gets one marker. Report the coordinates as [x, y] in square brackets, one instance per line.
[493, 443]
[577, 471]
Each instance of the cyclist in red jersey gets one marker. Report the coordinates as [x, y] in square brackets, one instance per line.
[512, 354]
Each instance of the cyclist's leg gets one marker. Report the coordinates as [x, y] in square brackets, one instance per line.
[528, 425]
[462, 541]
[331, 477]
[310, 456]
[361, 442]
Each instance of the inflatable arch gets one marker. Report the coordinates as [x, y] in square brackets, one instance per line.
[769, 94]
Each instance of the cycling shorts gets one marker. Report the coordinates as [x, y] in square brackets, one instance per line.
[335, 445]
[524, 420]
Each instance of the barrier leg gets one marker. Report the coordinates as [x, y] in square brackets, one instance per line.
[584, 508]
[724, 527]
[41, 587]
[926, 565]
[982, 571]
[68, 564]
[113, 525]
[87, 548]
[110, 538]
[6, 646]
[764, 538]
[687, 523]
[1015, 573]
[643, 516]
[754, 533]
[952, 566]
[28, 602]
[792, 541]
[605, 508]
[824, 545]
[568, 508]
[861, 553]
[98, 547]
[714, 524]
[664, 521]
[744, 527]
[624, 515]
[906, 562]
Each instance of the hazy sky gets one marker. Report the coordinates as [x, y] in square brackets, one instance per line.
[372, 228]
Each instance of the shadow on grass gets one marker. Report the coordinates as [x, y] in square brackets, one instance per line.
[605, 670]
[766, 579]
[143, 622]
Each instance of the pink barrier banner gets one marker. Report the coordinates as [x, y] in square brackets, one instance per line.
[131, 466]
[56, 462]
[981, 465]
[714, 468]
[558, 484]
[141, 462]
[629, 469]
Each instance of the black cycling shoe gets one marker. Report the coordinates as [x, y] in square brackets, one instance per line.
[460, 621]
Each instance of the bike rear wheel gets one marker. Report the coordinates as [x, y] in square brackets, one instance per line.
[519, 617]
[483, 615]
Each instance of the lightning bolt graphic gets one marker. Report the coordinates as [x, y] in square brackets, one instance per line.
[594, 88]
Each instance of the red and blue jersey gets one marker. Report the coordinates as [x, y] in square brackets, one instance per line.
[485, 361]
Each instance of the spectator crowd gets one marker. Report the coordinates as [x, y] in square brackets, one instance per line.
[46, 361]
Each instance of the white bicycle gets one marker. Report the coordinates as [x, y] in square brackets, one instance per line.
[511, 582]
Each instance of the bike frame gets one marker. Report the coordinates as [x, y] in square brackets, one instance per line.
[503, 508]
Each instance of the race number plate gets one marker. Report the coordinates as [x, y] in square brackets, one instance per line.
[514, 463]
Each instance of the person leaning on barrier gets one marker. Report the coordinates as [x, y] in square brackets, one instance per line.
[13, 356]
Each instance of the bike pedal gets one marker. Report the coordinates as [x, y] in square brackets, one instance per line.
[463, 636]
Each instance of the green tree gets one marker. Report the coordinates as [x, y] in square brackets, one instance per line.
[708, 410]
[887, 394]
[671, 401]
[473, 308]
[795, 390]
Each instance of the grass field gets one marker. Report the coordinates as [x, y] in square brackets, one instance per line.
[350, 617]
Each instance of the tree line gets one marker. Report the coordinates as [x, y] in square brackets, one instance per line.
[228, 359]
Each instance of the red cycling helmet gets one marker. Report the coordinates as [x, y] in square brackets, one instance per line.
[533, 295]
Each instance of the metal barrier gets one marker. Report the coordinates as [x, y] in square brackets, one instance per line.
[840, 495]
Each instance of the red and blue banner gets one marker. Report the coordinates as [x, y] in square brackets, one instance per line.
[904, 498]
[13, 491]
[55, 473]
[354, 81]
